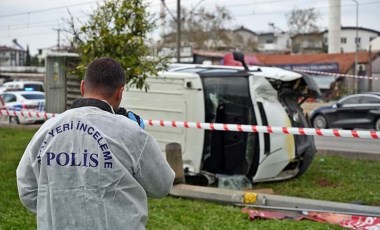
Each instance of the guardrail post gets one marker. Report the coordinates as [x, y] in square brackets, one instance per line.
[174, 158]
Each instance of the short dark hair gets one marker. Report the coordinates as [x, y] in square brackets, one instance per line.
[104, 75]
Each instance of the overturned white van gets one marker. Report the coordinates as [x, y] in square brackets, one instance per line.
[265, 96]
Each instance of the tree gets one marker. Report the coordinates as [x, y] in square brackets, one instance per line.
[248, 45]
[301, 21]
[118, 29]
[203, 28]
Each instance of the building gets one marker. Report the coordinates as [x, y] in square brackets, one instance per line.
[10, 56]
[43, 52]
[342, 63]
[238, 39]
[328, 65]
[243, 39]
[348, 37]
[308, 43]
[374, 44]
[271, 42]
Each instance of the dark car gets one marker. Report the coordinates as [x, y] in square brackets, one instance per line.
[350, 112]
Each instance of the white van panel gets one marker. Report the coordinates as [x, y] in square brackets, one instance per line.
[282, 146]
[277, 73]
[172, 97]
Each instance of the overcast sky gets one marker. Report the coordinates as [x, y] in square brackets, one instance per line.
[35, 22]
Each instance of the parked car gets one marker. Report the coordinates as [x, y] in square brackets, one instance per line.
[22, 85]
[24, 101]
[350, 112]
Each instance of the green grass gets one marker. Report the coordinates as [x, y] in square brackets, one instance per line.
[12, 214]
[328, 178]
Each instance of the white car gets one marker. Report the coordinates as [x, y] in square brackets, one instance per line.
[22, 85]
[24, 101]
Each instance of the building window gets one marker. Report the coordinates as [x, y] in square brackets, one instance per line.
[371, 38]
[269, 41]
[357, 40]
[343, 40]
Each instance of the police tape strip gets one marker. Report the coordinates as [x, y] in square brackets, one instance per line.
[268, 129]
[33, 114]
[231, 127]
[337, 74]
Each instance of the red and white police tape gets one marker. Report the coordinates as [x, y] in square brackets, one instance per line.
[336, 74]
[29, 113]
[232, 127]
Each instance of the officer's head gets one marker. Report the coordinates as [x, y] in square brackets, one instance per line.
[104, 79]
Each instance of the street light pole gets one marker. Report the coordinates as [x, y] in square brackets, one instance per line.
[356, 45]
[178, 31]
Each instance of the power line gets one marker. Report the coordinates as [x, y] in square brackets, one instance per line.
[47, 9]
[274, 1]
[29, 35]
[26, 27]
[27, 24]
[31, 25]
[259, 3]
[281, 12]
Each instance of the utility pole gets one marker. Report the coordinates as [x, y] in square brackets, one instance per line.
[178, 31]
[58, 39]
[162, 19]
[369, 68]
[356, 45]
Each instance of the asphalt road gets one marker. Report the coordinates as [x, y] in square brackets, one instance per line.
[348, 144]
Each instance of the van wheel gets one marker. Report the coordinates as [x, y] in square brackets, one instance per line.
[320, 122]
[377, 124]
[14, 120]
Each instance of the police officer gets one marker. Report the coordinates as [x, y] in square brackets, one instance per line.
[89, 167]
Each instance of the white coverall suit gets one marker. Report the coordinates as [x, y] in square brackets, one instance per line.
[90, 169]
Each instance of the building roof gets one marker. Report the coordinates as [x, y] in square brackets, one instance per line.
[354, 28]
[346, 61]
[242, 28]
[6, 48]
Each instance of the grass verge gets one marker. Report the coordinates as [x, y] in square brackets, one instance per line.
[328, 178]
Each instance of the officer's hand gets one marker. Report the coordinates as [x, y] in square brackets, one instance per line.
[132, 116]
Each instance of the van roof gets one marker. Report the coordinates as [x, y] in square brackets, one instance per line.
[264, 71]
